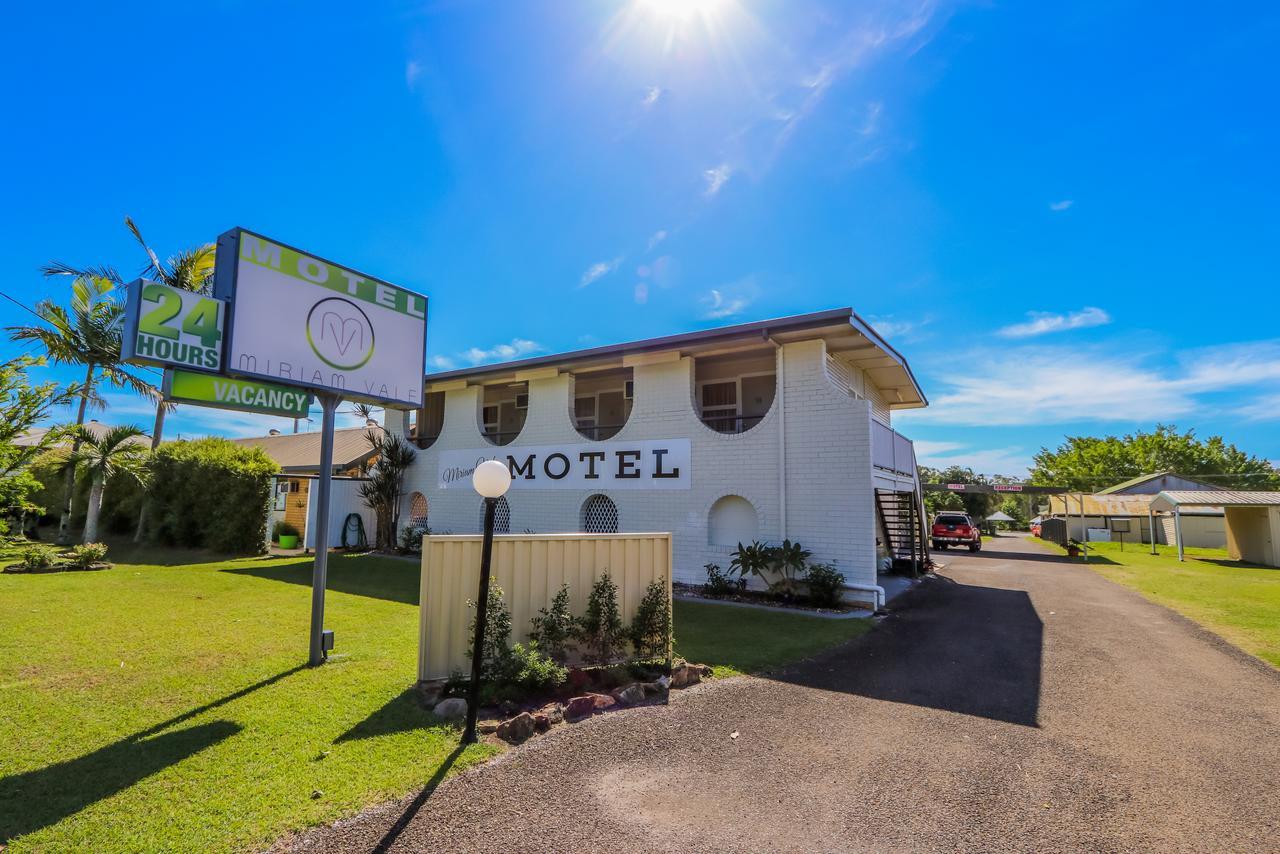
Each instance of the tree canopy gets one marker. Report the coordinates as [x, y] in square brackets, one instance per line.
[1091, 463]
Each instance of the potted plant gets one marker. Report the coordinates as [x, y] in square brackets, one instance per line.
[1073, 549]
[286, 535]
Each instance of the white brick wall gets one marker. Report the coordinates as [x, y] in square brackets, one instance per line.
[830, 505]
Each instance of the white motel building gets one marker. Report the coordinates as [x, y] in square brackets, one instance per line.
[760, 431]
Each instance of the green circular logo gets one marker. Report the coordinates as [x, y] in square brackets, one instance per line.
[340, 333]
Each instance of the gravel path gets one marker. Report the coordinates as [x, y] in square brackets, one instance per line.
[1015, 703]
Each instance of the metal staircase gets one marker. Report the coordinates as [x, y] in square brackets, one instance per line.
[904, 525]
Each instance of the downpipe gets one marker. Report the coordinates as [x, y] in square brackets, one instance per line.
[875, 589]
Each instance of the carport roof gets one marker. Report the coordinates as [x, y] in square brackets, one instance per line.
[1167, 501]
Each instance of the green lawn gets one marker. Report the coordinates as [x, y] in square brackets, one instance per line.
[1237, 601]
[161, 705]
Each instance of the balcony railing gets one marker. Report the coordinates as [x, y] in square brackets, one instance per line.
[892, 451]
[731, 423]
[599, 432]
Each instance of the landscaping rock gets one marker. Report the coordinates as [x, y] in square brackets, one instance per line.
[488, 726]
[541, 722]
[580, 707]
[554, 713]
[630, 695]
[602, 701]
[679, 675]
[653, 689]
[518, 728]
[664, 682]
[452, 709]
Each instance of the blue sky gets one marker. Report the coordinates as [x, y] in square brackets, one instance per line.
[1065, 218]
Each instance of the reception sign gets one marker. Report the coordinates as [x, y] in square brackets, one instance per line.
[228, 393]
[302, 321]
[651, 464]
[168, 326]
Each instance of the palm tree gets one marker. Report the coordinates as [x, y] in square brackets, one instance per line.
[101, 458]
[87, 335]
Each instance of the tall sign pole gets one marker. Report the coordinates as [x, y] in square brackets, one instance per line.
[320, 574]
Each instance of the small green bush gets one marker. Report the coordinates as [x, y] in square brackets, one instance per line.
[554, 628]
[495, 655]
[39, 556]
[719, 582]
[825, 583]
[411, 539]
[600, 629]
[650, 631]
[88, 554]
[533, 670]
[283, 529]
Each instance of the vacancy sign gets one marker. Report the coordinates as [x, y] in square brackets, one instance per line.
[301, 321]
[169, 326]
[229, 393]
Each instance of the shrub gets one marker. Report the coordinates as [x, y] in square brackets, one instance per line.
[718, 581]
[39, 556]
[88, 554]
[211, 493]
[495, 656]
[533, 670]
[283, 529]
[826, 584]
[789, 561]
[755, 559]
[411, 539]
[555, 628]
[650, 631]
[600, 629]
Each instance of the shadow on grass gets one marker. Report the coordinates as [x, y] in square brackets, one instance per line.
[401, 713]
[360, 575]
[1230, 564]
[35, 799]
[961, 648]
[393, 833]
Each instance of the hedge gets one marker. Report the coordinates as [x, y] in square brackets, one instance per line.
[210, 493]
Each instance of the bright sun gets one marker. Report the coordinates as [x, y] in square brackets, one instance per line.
[682, 9]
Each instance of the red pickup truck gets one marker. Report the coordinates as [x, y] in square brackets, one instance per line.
[955, 529]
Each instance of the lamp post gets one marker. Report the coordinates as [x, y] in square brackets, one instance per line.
[491, 479]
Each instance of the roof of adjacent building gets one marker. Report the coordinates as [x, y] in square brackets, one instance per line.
[1146, 478]
[300, 452]
[1168, 500]
[1116, 505]
[97, 428]
[844, 332]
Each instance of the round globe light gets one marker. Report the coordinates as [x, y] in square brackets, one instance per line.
[491, 479]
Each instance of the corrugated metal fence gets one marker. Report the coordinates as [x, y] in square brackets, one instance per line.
[529, 569]
[1055, 531]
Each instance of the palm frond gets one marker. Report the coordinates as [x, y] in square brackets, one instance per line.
[62, 268]
[154, 267]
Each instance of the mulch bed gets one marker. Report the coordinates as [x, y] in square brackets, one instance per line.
[17, 568]
[758, 597]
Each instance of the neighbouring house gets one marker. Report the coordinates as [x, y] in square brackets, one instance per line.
[760, 431]
[298, 455]
[1121, 512]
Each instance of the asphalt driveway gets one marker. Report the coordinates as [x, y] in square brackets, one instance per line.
[1015, 703]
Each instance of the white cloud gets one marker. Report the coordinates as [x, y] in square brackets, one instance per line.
[651, 96]
[893, 327]
[657, 237]
[871, 123]
[1014, 386]
[412, 71]
[441, 363]
[719, 305]
[501, 352]
[716, 178]
[1265, 408]
[1012, 462]
[1045, 322]
[598, 270]
[641, 293]
[1062, 205]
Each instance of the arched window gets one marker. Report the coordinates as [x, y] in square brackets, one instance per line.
[417, 510]
[599, 515]
[732, 520]
[501, 517]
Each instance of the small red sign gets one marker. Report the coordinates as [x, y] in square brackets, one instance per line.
[1008, 487]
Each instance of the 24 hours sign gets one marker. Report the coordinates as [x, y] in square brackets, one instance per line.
[166, 326]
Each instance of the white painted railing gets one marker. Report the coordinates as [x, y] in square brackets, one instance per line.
[892, 451]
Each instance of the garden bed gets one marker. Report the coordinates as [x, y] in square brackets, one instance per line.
[761, 598]
[56, 567]
[586, 692]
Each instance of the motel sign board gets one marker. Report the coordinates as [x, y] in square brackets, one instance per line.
[305, 322]
[650, 464]
[229, 393]
[168, 326]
